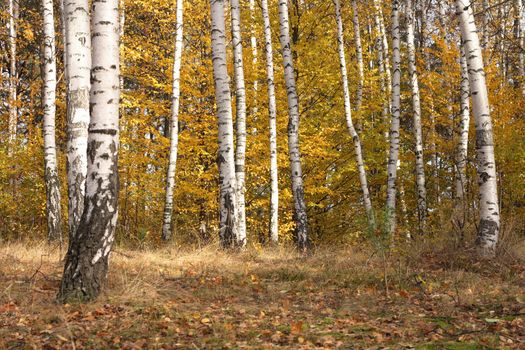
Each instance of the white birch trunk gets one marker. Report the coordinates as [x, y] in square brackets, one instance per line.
[384, 79]
[78, 67]
[13, 109]
[359, 55]
[64, 38]
[300, 215]
[349, 123]
[416, 110]
[394, 127]
[226, 159]
[174, 124]
[240, 93]
[384, 43]
[272, 111]
[87, 261]
[462, 131]
[54, 215]
[520, 35]
[488, 229]
[255, 54]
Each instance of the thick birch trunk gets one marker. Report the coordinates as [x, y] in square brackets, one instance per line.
[54, 215]
[253, 44]
[13, 109]
[240, 93]
[174, 124]
[394, 127]
[272, 111]
[349, 123]
[300, 216]
[359, 55]
[78, 60]
[228, 187]
[87, 260]
[489, 225]
[416, 110]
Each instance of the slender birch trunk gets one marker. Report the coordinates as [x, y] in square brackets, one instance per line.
[300, 216]
[359, 55]
[485, 24]
[87, 260]
[13, 109]
[272, 111]
[64, 38]
[489, 225]
[384, 42]
[78, 67]
[520, 36]
[54, 215]
[462, 131]
[382, 67]
[228, 187]
[240, 93]
[416, 110]
[255, 56]
[349, 123]
[394, 127]
[174, 124]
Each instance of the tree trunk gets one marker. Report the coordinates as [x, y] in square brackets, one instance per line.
[253, 43]
[240, 93]
[13, 109]
[359, 56]
[300, 216]
[78, 66]
[416, 110]
[174, 124]
[87, 260]
[489, 225]
[520, 36]
[384, 71]
[348, 113]
[272, 111]
[228, 187]
[394, 127]
[54, 215]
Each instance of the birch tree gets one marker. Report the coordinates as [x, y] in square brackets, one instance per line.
[272, 111]
[489, 225]
[416, 110]
[13, 109]
[349, 123]
[54, 215]
[228, 187]
[359, 55]
[174, 124]
[394, 126]
[300, 215]
[87, 260]
[253, 44]
[78, 66]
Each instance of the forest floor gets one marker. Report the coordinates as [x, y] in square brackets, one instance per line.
[267, 299]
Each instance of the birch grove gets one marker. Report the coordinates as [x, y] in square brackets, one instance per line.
[78, 67]
[272, 114]
[416, 110]
[54, 214]
[393, 157]
[300, 215]
[349, 123]
[489, 215]
[228, 229]
[174, 124]
[87, 259]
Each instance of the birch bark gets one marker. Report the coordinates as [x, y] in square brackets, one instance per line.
[87, 260]
[78, 66]
[174, 124]
[488, 229]
[394, 127]
[359, 55]
[54, 215]
[416, 110]
[240, 93]
[272, 111]
[300, 215]
[228, 187]
[13, 109]
[349, 123]
[253, 43]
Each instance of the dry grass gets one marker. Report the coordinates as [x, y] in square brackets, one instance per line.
[266, 298]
